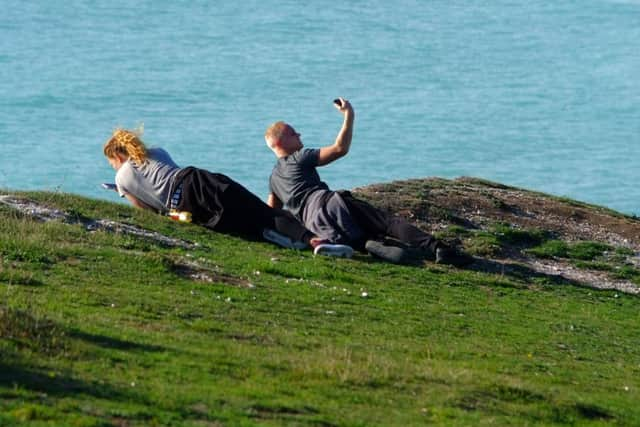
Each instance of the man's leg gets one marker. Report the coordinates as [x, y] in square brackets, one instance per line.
[377, 224]
[335, 221]
[380, 224]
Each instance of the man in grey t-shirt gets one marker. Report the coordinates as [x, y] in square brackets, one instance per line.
[295, 181]
[338, 216]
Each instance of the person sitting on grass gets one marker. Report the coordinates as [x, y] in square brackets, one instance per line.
[150, 179]
[339, 217]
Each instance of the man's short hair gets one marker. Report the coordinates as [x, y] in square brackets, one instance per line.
[276, 130]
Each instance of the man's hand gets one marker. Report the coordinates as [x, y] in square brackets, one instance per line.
[343, 141]
[343, 106]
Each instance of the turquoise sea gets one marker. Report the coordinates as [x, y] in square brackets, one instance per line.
[543, 95]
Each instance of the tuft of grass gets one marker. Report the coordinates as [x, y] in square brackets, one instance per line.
[551, 249]
[484, 244]
[507, 234]
[585, 250]
[588, 250]
[595, 265]
[453, 232]
[627, 272]
[500, 236]
[625, 252]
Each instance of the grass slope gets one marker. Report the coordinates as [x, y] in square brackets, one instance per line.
[102, 329]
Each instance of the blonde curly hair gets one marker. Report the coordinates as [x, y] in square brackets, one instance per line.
[128, 143]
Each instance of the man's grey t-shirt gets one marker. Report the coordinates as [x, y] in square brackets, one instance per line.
[294, 178]
[149, 182]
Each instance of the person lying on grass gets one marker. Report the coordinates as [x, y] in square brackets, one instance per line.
[150, 179]
[338, 216]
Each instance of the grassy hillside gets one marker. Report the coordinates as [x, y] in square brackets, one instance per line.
[106, 328]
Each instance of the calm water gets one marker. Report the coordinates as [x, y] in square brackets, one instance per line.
[542, 95]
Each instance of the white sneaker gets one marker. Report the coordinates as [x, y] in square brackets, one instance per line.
[281, 240]
[331, 249]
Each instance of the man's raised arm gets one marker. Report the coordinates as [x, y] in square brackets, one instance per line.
[343, 141]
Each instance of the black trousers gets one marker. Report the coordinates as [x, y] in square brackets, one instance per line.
[376, 224]
[221, 204]
[244, 213]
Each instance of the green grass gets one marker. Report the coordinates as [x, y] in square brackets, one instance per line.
[583, 250]
[498, 237]
[101, 329]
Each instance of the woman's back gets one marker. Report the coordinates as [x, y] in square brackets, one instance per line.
[151, 181]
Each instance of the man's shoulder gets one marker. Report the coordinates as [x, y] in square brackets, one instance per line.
[304, 152]
[301, 159]
[302, 156]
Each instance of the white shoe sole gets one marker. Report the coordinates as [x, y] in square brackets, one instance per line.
[330, 249]
[281, 240]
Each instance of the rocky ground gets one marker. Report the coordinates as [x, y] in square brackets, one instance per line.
[470, 206]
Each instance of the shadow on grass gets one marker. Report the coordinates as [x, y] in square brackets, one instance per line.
[13, 374]
[45, 336]
[496, 399]
[287, 414]
[113, 343]
[18, 278]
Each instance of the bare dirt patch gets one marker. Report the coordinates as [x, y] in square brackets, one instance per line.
[200, 271]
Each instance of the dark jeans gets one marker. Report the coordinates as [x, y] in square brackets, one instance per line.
[244, 213]
[221, 204]
[376, 224]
